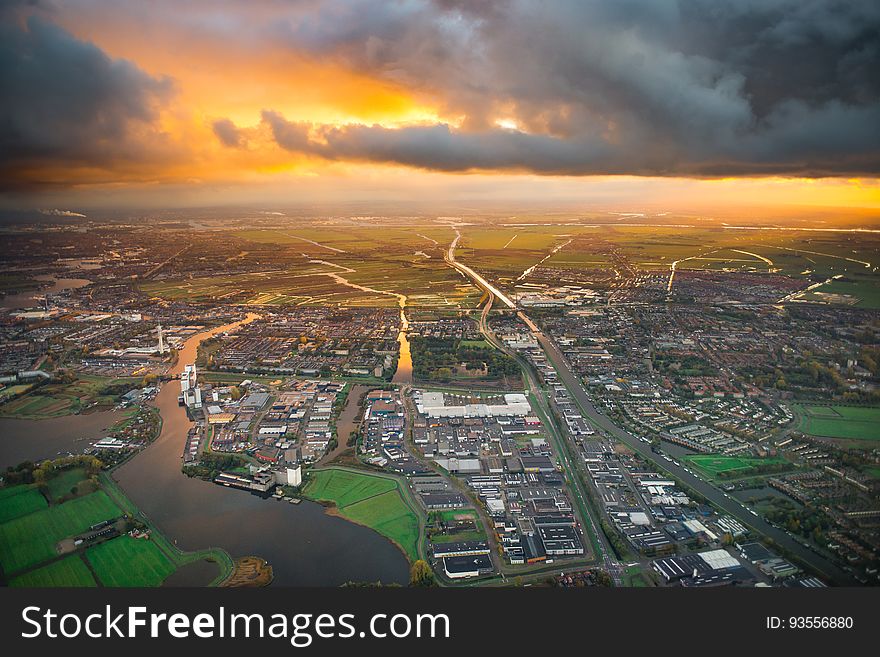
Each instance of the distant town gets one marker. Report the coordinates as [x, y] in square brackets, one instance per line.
[468, 401]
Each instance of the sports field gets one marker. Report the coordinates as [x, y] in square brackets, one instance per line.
[19, 501]
[843, 422]
[127, 561]
[375, 502]
[30, 539]
[716, 465]
[70, 571]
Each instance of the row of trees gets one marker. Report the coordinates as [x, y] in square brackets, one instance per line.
[212, 465]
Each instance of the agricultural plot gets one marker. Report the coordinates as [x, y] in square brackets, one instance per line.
[31, 539]
[840, 422]
[70, 571]
[19, 501]
[354, 267]
[125, 561]
[374, 502]
[57, 399]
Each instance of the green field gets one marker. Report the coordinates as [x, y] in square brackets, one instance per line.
[841, 422]
[369, 500]
[31, 539]
[70, 571]
[59, 399]
[343, 487]
[127, 561]
[63, 483]
[352, 266]
[19, 501]
[716, 465]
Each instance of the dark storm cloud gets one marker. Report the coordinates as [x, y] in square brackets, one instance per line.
[66, 102]
[700, 87]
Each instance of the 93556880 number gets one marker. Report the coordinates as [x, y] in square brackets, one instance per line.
[810, 623]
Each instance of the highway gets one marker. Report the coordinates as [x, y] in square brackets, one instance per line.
[720, 499]
[577, 483]
[714, 495]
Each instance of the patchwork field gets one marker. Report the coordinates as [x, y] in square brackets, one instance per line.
[127, 561]
[19, 501]
[56, 399]
[347, 266]
[840, 422]
[69, 571]
[31, 539]
[375, 502]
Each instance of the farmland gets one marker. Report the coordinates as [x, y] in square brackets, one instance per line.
[69, 571]
[31, 530]
[59, 399]
[351, 266]
[127, 561]
[369, 500]
[840, 422]
[31, 539]
[19, 501]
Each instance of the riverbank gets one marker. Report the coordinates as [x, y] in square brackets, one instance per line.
[377, 501]
[304, 545]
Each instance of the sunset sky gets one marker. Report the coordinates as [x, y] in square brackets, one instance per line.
[762, 102]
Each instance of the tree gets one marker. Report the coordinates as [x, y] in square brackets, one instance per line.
[421, 574]
[235, 392]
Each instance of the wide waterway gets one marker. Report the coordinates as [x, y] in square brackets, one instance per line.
[34, 440]
[304, 545]
[34, 298]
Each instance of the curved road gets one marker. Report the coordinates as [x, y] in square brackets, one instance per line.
[577, 483]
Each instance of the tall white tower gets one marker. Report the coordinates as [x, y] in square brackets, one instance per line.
[162, 347]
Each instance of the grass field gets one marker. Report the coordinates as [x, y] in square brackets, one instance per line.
[349, 266]
[19, 501]
[344, 487]
[59, 399]
[715, 465]
[70, 571]
[375, 502]
[63, 483]
[127, 561]
[31, 539]
[842, 422]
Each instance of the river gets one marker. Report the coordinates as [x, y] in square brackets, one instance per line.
[404, 371]
[304, 545]
[34, 440]
[33, 298]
